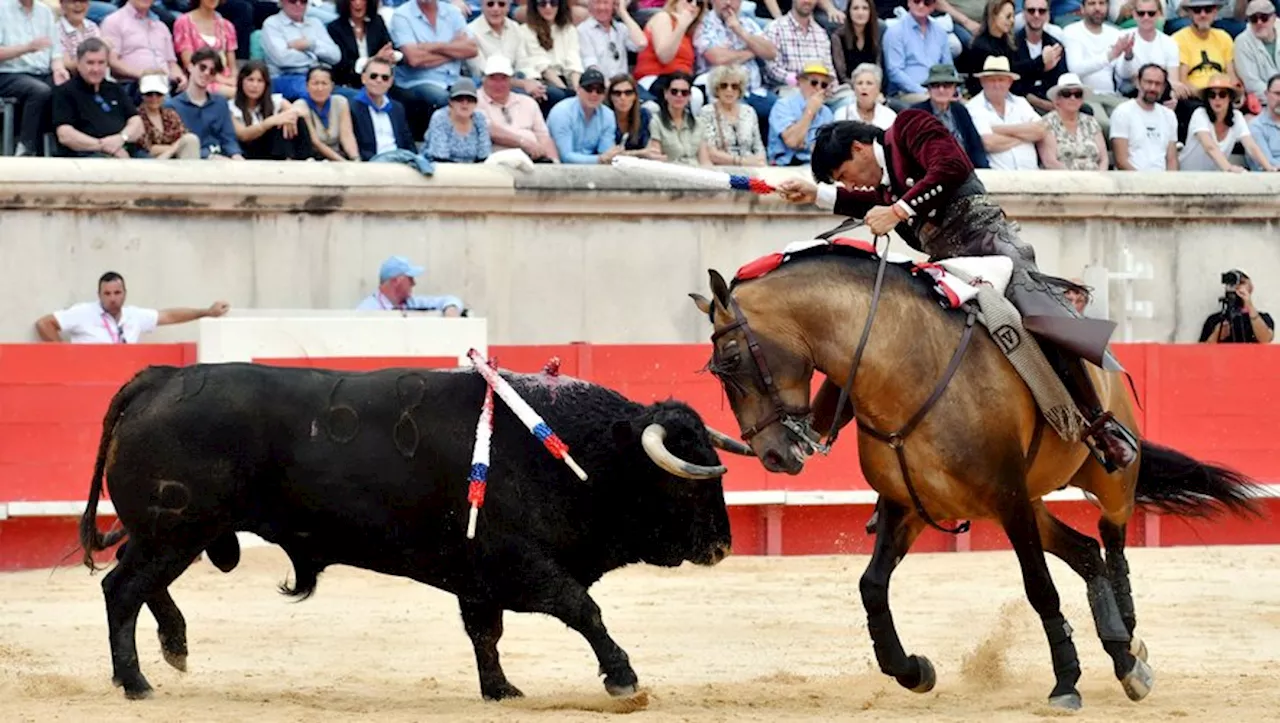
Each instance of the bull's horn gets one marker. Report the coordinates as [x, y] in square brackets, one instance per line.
[654, 445]
[729, 444]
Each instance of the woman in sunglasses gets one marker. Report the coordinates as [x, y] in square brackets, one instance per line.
[1074, 141]
[1215, 129]
[632, 118]
[731, 127]
[676, 132]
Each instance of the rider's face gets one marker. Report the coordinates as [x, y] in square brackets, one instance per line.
[862, 168]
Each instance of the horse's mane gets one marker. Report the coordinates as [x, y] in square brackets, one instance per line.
[861, 268]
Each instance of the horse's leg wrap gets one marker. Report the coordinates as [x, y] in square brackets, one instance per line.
[892, 658]
[1118, 572]
[1066, 663]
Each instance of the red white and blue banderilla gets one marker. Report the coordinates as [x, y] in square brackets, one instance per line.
[701, 177]
[480, 461]
[532, 421]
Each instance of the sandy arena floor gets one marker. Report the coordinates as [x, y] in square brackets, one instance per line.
[755, 639]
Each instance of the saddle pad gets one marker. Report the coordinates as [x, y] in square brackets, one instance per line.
[952, 292]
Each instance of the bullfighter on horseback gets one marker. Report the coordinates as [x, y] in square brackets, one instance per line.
[916, 179]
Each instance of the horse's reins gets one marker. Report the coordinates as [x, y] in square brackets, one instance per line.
[786, 416]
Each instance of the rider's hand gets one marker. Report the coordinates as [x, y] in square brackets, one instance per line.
[882, 219]
[798, 190]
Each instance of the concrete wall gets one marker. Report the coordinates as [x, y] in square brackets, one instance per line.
[559, 254]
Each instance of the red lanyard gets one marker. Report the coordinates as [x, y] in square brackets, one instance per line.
[117, 336]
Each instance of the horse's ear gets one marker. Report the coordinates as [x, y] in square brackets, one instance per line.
[702, 302]
[719, 288]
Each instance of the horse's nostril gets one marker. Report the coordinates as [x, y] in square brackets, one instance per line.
[773, 458]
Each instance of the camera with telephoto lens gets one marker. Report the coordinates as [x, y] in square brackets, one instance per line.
[1232, 304]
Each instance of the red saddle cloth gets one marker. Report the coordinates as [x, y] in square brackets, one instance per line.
[765, 264]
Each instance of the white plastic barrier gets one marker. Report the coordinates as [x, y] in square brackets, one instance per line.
[245, 335]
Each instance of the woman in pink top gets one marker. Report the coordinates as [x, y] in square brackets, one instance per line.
[670, 47]
[204, 27]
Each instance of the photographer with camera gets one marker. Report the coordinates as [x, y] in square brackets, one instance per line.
[1237, 321]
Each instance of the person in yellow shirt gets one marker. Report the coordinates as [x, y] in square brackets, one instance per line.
[1203, 50]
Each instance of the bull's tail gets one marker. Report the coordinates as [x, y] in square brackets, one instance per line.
[91, 539]
[1176, 484]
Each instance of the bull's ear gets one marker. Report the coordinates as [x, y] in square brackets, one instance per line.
[719, 288]
[624, 435]
[702, 302]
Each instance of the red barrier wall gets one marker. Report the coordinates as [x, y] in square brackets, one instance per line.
[1214, 403]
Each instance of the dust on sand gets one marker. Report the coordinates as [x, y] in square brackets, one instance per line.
[754, 639]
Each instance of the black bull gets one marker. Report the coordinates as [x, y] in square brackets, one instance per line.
[371, 470]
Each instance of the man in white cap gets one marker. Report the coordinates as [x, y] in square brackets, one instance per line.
[396, 279]
[515, 120]
[1009, 126]
[1257, 55]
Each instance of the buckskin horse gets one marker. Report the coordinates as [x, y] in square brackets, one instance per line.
[970, 441]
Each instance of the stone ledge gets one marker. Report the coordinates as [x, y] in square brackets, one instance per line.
[277, 187]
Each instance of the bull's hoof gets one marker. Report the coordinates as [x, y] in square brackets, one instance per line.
[138, 689]
[1069, 701]
[926, 676]
[1138, 648]
[177, 660]
[501, 691]
[1138, 683]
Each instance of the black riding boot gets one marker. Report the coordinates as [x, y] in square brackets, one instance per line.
[1112, 444]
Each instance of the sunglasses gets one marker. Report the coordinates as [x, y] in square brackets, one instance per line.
[496, 4]
[1145, 13]
[1260, 18]
[598, 89]
[102, 103]
[379, 76]
[1035, 11]
[548, 3]
[1213, 94]
[823, 84]
[1071, 94]
[926, 3]
[1203, 11]
[622, 92]
[678, 91]
[730, 86]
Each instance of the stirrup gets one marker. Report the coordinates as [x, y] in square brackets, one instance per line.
[1106, 424]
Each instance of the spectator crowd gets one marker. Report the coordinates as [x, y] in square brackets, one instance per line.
[1022, 84]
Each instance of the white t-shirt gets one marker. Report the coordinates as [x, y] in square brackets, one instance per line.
[882, 118]
[1194, 157]
[1149, 133]
[87, 323]
[1162, 51]
[1021, 157]
[277, 102]
[1087, 54]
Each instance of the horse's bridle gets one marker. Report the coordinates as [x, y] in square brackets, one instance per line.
[795, 419]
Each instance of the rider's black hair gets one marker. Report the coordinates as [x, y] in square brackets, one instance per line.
[833, 146]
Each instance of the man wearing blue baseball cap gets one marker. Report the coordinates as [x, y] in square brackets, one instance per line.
[396, 278]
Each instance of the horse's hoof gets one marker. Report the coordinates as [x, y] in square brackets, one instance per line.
[1138, 683]
[177, 660]
[1070, 701]
[620, 691]
[1138, 648]
[928, 676]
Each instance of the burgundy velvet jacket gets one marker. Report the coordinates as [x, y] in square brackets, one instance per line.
[926, 166]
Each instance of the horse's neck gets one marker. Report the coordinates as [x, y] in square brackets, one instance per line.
[906, 341]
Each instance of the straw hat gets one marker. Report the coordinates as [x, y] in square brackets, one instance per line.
[1219, 81]
[996, 65]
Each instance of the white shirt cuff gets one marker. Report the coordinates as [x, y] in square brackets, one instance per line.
[906, 207]
[826, 199]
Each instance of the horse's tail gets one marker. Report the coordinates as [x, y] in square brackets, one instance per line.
[91, 539]
[1174, 483]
